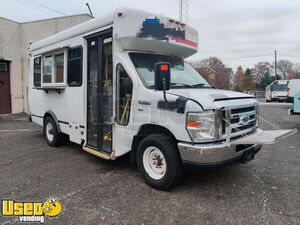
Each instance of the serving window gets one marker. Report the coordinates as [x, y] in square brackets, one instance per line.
[57, 69]
[53, 69]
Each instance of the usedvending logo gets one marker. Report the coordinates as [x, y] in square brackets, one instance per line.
[31, 211]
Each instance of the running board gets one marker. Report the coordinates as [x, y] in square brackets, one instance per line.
[101, 154]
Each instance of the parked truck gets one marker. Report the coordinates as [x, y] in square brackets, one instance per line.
[277, 91]
[119, 84]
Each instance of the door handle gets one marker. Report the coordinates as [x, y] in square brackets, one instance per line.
[1, 83]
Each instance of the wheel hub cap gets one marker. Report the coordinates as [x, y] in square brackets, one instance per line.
[154, 163]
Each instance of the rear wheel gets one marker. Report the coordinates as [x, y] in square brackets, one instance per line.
[53, 137]
[159, 162]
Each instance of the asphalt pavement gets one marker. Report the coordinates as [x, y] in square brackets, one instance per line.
[96, 191]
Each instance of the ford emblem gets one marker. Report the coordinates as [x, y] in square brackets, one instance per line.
[244, 119]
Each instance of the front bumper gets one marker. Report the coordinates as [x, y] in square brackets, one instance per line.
[242, 148]
[279, 98]
[215, 154]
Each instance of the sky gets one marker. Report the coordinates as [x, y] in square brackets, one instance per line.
[237, 31]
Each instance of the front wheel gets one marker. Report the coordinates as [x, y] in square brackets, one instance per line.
[53, 137]
[159, 162]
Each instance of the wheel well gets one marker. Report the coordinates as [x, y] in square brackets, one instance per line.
[144, 131]
[46, 116]
[51, 114]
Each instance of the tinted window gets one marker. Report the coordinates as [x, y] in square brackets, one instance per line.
[37, 72]
[75, 66]
[279, 87]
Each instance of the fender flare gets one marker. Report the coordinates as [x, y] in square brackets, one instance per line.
[52, 114]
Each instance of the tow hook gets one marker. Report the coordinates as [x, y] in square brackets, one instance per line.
[248, 155]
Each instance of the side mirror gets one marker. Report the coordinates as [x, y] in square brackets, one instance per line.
[162, 76]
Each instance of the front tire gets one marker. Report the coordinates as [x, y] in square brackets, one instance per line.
[159, 162]
[53, 137]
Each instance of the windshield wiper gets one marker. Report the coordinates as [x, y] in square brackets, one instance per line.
[186, 85]
[200, 85]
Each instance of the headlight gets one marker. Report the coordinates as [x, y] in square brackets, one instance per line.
[201, 126]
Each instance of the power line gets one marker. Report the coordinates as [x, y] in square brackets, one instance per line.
[45, 6]
[33, 7]
[40, 7]
[295, 56]
[246, 57]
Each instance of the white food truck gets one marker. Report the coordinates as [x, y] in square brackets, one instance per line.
[119, 84]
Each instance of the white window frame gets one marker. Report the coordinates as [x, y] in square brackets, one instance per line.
[53, 84]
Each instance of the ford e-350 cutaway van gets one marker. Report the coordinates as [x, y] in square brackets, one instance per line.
[120, 84]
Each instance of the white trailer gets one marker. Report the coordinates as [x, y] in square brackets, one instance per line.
[119, 84]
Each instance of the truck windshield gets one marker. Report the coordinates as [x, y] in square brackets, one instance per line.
[279, 87]
[182, 74]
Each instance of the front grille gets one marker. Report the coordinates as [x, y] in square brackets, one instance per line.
[242, 110]
[240, 119]
[242, 128]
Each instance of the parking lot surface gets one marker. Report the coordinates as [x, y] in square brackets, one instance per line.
[96, 191]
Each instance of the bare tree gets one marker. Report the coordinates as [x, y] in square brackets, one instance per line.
[295, 73]
[285, 67]
[214, 71]
[222, 81]
[207, 63]
[260, 69]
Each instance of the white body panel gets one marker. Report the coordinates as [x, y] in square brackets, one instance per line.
[293, 87]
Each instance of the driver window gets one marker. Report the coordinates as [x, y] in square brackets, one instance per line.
[124, 95]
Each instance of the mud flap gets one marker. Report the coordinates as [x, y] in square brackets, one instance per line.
[264, 137]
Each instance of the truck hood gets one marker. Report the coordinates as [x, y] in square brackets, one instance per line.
[207, 96]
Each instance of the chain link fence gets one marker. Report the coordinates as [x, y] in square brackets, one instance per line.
[257, 94]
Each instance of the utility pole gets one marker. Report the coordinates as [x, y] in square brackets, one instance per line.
[275, 63]
[183, 11]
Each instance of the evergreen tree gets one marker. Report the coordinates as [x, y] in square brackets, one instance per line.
[265, 80]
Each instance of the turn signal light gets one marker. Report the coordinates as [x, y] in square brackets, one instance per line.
[193, 124]
[164, 67]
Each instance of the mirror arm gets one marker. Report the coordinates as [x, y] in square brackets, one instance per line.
[164, 91]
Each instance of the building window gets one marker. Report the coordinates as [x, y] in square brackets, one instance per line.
[37, 72]
[75, 66]
[47, 69]
[3, 67]
[124, 94]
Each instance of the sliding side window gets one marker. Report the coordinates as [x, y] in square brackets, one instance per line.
[47, 69]
[37, 72]
[75, 66]
[124, 95]
[53, 69]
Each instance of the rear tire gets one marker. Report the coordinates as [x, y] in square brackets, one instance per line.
[53, 137]
[159, 162]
